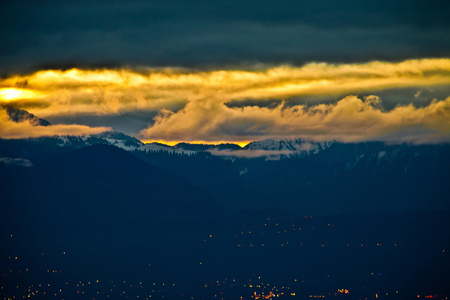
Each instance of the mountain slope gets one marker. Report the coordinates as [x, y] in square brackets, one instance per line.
[327, 178]
[20, 115]
[355, 178]
[102, 183]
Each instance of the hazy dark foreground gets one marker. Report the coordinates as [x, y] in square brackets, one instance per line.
[390, 256]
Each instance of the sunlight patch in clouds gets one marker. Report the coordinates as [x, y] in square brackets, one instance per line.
[10, 94]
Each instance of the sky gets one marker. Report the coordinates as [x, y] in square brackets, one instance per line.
[229, 71]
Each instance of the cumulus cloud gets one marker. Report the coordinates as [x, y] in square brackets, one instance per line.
[17, 130]
[350, 119]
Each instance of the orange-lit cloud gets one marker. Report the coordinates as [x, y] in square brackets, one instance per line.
[350, 119]
[204, 94]
[113, 91]
[13, 130]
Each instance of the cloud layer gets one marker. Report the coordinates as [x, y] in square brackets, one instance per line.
[194, 105]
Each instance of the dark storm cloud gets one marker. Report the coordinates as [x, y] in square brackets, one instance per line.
[55, 34]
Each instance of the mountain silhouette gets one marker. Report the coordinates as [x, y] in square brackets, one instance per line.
[20, 115]
[102, 183]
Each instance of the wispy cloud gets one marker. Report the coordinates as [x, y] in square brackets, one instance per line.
[251, 153]
[16, 130]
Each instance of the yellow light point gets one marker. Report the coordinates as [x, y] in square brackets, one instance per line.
[11, 94]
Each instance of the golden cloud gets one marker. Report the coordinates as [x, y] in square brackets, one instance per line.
[350, 119]
[203, 94]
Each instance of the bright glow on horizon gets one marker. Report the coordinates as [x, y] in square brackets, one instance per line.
[173, 143]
